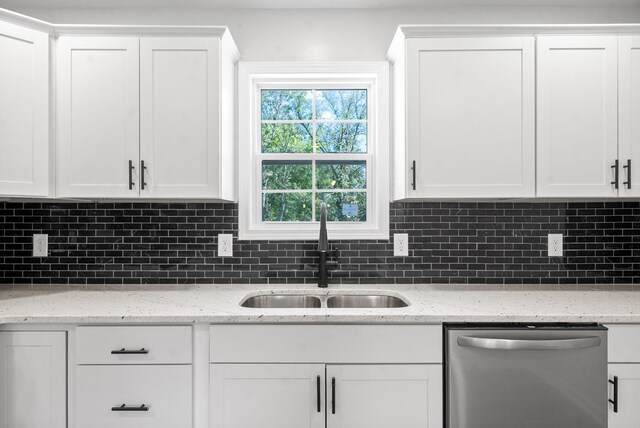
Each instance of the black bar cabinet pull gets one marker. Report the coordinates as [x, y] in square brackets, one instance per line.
[614, 382]
[615, 167]
[413, 174]
[333, 395]
[628, 168]
[318, 393]
[143, 169]
[125, 408]
[131, 168]
[129, 351]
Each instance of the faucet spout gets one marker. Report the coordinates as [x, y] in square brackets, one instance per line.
[323, 248]
[323, 242]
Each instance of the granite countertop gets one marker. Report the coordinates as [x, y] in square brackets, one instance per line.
[220, 304]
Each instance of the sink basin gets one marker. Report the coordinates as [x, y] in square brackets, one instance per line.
[282, 301]
[365, 301]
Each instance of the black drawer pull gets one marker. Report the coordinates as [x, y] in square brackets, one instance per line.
[130, 351]
[125, 408]
[142, 170]
[614, 382]
[615, 167]
[318, 394]
[333, 395]
[628, 168]
[413, 174]
[131, 168]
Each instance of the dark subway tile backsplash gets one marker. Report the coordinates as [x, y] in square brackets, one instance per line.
[449, 242]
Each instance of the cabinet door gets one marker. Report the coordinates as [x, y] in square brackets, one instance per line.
[629, 114]
[33, 380]
[267, 396]
[577, 116]
[179, 113]
[383, 396]
[98, 115]
[628, 412]
[470, 117]
[24, 111]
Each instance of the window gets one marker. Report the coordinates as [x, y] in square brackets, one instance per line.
[311, 134]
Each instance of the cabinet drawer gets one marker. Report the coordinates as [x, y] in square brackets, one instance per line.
[164, 390]
[624, 343]
[364, 344]
[133, 345]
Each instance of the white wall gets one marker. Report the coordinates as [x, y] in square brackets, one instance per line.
[331, 34]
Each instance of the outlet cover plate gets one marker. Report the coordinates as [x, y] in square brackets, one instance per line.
[40, 245]
[400, 244]
[555, 245]
[225, 245]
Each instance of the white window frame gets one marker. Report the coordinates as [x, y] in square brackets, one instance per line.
[255, 76]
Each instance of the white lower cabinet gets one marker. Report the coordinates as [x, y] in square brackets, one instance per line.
[624, 375]
[267, 395]
[383, 396]
[33, 379]
[133, 377]
[157, 396]
[625, 413]
[317, 376]
[351, 396]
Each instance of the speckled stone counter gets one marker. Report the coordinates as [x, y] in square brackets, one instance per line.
[429, 304]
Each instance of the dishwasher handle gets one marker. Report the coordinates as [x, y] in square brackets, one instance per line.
[523, 344]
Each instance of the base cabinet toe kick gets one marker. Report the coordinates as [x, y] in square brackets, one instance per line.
[250, 376]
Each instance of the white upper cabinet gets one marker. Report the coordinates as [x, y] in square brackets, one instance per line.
[179, 145]
[98, 122]
[147, 116]
[24, 111]
[577, 116]
[464, 112]
[629, 115]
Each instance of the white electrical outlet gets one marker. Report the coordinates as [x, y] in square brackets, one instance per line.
[40, 245]
[225, 245]
[555, 245]
[400, 244]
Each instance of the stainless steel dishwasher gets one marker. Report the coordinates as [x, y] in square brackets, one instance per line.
[526, 376]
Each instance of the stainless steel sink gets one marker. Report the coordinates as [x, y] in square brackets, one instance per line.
[282, 301]
[365, 301]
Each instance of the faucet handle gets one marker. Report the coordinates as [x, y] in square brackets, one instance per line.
[331, 264]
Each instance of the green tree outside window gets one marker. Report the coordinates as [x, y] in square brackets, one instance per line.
[326, 125]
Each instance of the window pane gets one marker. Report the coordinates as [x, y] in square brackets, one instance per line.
[343, 206]
[342, 138]
[286, 138]
[286, 207]
[341, 104]
[341, 174]
[286, 104]
[286, 175]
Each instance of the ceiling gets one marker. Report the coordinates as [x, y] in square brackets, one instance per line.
[300, 4]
